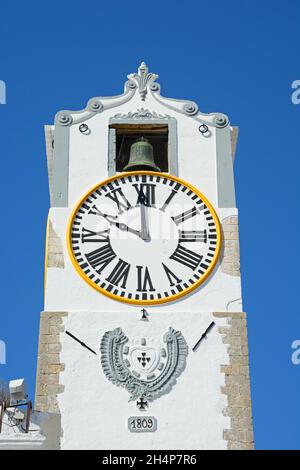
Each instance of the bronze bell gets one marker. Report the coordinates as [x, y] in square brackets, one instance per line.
[141, 157]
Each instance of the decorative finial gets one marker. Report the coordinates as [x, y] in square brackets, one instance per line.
[143, 69]
[143, 79]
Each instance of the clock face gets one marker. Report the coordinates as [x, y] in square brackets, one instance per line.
[144, 238]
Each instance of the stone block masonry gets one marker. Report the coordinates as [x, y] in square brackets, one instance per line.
[230, 255]
[49, 365]
[55, 257]
[237, 382]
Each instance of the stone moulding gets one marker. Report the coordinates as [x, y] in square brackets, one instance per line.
[145, 83]
[94, 106]
[141, 113]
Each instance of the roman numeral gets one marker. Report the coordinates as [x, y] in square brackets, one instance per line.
[90, 236]
[187, 257]
[95, 211]
[119, 274]
[146, 194]
[168, 200]
[144, 280]
[193, 236]
[171, 276]
[119, 198]
[185, 216]
[101, 257]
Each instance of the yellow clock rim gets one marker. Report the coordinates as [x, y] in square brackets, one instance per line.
[156, 301]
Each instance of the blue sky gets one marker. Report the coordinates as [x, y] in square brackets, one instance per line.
[237, 57]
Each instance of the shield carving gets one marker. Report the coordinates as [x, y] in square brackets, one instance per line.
[146, 367]
[144, 359]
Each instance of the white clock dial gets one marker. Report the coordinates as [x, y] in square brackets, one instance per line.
[144, 237]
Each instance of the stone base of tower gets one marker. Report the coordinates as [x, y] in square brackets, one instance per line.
[55, 394]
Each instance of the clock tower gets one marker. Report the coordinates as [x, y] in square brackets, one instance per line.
[143, 339]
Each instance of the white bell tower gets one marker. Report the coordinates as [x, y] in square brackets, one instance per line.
[143, 369]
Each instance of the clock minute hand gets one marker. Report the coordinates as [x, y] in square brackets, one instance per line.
[145, 232]
[145, 223]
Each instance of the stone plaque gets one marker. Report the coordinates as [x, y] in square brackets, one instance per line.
[142, 424]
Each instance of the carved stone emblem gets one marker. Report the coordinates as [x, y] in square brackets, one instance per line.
[146, 367]
[141, 113]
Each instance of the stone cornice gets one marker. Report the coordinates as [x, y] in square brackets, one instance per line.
[145, 84]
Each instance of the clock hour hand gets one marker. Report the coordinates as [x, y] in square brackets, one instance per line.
[119, 225]
[125, 228]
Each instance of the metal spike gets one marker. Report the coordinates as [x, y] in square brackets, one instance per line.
[145, 315]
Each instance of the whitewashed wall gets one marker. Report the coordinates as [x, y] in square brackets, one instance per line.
[189, 417]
